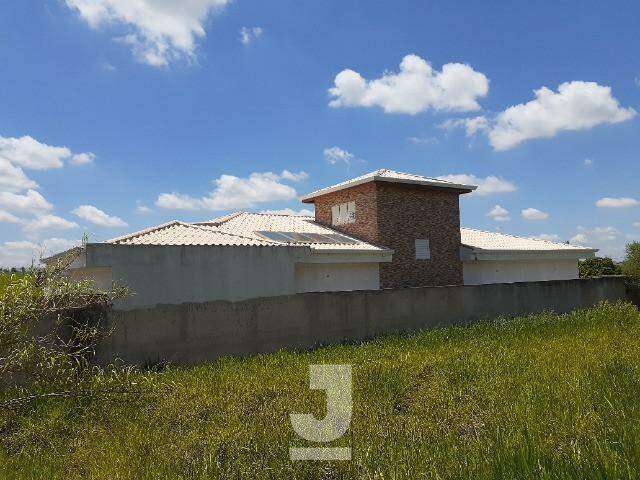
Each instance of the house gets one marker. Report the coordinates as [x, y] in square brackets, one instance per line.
[385, 229]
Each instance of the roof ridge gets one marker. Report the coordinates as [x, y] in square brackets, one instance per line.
[217, 230]
[144, 231]
[518, 236]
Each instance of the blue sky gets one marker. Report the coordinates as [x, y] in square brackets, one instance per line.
[184, 111]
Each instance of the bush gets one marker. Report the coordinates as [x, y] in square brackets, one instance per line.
[631, 265]
[598, 267]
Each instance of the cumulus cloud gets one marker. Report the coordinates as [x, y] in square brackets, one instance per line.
[575, 106]
[534, 214]
[48, 222]
[82, 158]
[499, 214]
[143, 209]
[13, 178]
[233, 192]
[472, 126]
[25, 253]
[423, 140]
[31, 202]
[621, 202]
[609, 240]
[416, 88]
[159, 32]
[249, 34]
[335, 155]
[636, 224]
[588, 162]
[7, 217]
[289, 211]
[486, 186]
[549, 237]
[96, 216]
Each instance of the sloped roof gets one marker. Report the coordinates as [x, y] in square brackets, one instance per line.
[181, 233]
[247, 224]
[500, 242]
[386, 175]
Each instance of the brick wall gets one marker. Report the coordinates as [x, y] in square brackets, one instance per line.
[394, 215]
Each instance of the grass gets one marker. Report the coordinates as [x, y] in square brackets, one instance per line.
[545, 397]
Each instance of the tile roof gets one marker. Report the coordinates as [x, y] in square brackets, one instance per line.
[180, 233]
[386, 175]
[247, 224]
[496, 242]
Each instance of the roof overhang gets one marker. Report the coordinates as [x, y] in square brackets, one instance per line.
[308, 198]
[468, 253]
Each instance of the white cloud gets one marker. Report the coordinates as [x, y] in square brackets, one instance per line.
[27, 152]
[294, 177]
[31, 202]
[335, 155]
[143, 209]
[636, 224]
[82, 158]
[48, 222]
[472, 125]
[233, 192]
[549, 237]
[289, 211]
[637, 81]
[24, 253]
[588, 162]
[159, 32]
[622, 202]
[249, 34]
[486, 186]
[423, 140]
[534, 214]
[416, 88]
[96, 216]
[12, 178]
[575, 106]
[499, 214]
[608, 239]
[7, 217]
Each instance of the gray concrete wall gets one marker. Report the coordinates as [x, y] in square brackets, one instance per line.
[192, 333]
[178, 274]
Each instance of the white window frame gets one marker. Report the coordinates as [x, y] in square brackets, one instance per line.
[343, 213]
[422, 249]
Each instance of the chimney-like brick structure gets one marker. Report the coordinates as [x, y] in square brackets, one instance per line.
[394, 215]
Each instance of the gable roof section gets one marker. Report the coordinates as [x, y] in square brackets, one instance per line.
[247, 224]
[181, 233]
[386, 175]
[481, 241]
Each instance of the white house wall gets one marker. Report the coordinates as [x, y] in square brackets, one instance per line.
[508, 271]
[180, 274]
[327, 277]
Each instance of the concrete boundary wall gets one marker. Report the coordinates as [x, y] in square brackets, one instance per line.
[197, 332]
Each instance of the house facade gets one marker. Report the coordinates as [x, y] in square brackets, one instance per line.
[385, 229]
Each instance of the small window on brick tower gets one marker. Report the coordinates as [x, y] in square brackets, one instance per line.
[343, 213]
[423, 252]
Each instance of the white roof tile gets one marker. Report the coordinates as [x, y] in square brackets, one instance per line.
[386, 175]
[493, 241]
[180, 233]
[247, 224]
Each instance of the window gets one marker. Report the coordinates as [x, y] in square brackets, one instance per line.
[343, 213]
[423, 252]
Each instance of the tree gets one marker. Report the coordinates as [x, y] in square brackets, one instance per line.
[598, 267]
[631, 264]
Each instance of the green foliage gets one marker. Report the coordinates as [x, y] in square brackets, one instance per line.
[538, 397]
[598, 267]
[631, 264]
[49, 327]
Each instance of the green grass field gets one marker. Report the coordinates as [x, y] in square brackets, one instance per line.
[545, 397]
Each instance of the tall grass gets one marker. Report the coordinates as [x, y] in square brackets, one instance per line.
[545, 397]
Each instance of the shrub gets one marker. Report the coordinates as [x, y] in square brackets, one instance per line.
[598, 266]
